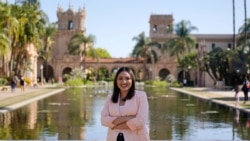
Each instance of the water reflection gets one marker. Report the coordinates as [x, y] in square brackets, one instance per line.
[75, 115]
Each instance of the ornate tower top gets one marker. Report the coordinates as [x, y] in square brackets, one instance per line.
[159, 24]
[71, 20]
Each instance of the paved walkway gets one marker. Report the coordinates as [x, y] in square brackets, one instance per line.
[28, 89]
[19, 98]
[222, 97]
[4, 94]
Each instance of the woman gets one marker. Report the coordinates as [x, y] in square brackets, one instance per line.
[245, 90]
[125, 112]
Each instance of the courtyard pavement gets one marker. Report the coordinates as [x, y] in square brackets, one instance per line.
[5, 94]
[19, 98]
[222, 97]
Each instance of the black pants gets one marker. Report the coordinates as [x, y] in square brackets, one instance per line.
[245, 95]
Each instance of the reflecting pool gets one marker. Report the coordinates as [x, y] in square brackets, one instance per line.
[75, 115]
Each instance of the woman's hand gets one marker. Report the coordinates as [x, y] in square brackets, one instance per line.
[122, 119]
[121, 126]
[120, 122]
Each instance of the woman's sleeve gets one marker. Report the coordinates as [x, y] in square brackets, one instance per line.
[142, 115]
[106, 119]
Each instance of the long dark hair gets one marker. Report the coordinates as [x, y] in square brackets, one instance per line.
[116, 90]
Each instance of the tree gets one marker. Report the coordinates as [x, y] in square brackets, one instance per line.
[183, 42]
[4, 48]
[217, 64]
[11, 28]
[46, 51]
[234, 37]
[78, 45]
[98, 53]
[243, 46]
[33, 26]
[244, 39]
[143, 48]
[188, 62]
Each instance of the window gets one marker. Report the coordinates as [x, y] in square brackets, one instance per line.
[229, 45]
[155, 28]
[197, 46]
[70, 25]
[213, 45]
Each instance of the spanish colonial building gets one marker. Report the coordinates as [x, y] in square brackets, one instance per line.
[71, 22]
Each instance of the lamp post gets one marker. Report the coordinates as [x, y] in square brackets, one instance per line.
[41, 67]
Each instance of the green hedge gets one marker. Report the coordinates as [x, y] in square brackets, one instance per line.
[3, 81]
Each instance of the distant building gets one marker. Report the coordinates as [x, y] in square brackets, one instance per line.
[69, 23]
[205, 42]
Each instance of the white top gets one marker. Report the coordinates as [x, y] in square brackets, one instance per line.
[121, 109]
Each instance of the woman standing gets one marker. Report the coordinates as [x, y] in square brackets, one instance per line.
[245, 90]
[125, 112]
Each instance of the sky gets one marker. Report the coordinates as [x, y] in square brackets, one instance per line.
[115, 22]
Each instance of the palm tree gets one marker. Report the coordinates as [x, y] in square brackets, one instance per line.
[188, 62]
[45, 52]
[29, 2]
[234, 37]
[11, 28]
[143, 48]
[78, 45]
[4, 44]
[245, 9]
[33, 26]
[4, 48]
[182, 43]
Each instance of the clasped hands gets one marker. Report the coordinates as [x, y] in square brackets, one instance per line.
[120, 122]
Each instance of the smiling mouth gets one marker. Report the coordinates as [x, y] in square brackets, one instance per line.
[124, 86]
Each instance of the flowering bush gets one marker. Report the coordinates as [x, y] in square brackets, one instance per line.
[27, 80]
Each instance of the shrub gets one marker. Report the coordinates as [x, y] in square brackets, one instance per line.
[3, 81]
[27, 80]
[74, 82]
[156, 83]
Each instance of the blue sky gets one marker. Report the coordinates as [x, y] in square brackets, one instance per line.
[115, 22]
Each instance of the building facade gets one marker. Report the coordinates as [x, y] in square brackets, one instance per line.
[159, 24]
[71, 22]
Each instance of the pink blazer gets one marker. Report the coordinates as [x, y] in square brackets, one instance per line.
[138, 106]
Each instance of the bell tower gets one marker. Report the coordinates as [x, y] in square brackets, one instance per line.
[160, 27]
[69, 23]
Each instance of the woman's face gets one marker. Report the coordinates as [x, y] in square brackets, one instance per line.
[124, 81]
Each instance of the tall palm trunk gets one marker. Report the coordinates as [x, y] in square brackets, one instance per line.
[84, 58]
[46, 70]
[234, 38]
[245, 29]
[145, 68]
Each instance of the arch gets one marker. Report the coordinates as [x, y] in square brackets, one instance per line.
[102, 73]
[66, 70]
[50, 73]
[163, 73]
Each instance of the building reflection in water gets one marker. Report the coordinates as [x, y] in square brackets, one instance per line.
[31, 115]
